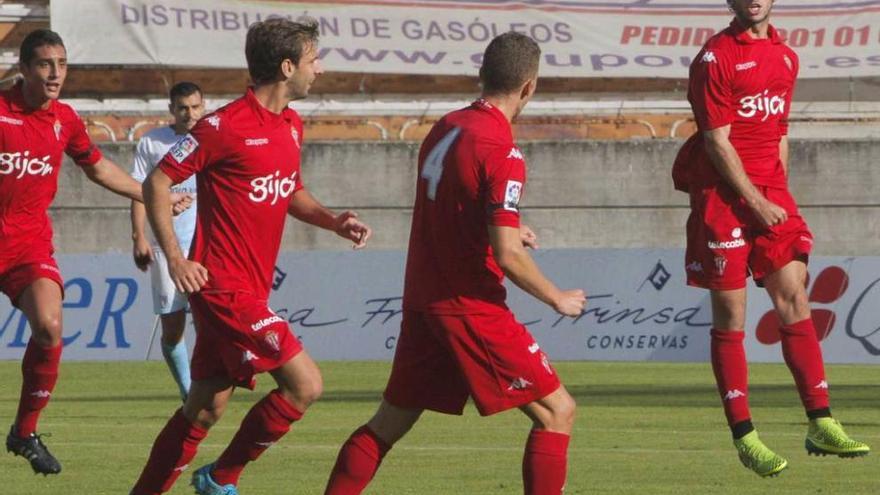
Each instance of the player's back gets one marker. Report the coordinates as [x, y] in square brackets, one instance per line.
[470, 176]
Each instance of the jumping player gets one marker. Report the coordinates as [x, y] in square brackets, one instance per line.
[744, 221]
[458, 339]
[187, 107]
[35, 129]
[247, 159]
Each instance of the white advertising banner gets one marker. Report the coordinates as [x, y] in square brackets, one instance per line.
[347, 305]
[579, 38]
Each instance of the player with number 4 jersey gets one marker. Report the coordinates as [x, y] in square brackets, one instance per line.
[458, 339]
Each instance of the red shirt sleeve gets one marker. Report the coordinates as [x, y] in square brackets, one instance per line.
[795, 68]
[710, 91]
[191, 153]
[80, 147]
[298, 135]
[505, 177]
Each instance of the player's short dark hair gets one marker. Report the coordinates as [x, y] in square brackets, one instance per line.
[182, 90]
[510, 60]
[271, 41]
[36, 39]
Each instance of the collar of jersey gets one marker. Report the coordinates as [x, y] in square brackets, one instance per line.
[17, 103]
[484, 106]
[263, 114]
[742, 34]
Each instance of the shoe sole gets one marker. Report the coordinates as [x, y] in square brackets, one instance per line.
[816, 450]
[16, 454]
[776, 472]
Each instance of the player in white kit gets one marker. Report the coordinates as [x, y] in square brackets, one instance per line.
[187, 108]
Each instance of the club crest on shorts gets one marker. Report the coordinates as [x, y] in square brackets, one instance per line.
[273, 341]
[720, 265]
[512, 194]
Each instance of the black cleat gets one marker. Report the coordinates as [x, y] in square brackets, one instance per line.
[34, 450]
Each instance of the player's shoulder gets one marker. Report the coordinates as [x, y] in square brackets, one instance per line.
[65, 112]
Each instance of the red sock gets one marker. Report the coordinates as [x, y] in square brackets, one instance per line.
[172, 451]
[357, 463]
[264, 425]
[544, 463]
[802, 353]
[39, 372]
[731, 374]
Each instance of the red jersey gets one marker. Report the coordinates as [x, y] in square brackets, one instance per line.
[248, 163]
[746, 83]
[31, 144]
[471, 175]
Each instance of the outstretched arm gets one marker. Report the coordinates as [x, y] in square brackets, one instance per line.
[305, 208]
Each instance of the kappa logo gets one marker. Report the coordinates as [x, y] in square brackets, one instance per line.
[256, 142]
[734, 394]
[265, 445]
[822, 384]
[694, 266]
[214, 120]
[512, 195]
[515, 153]
[248, 356]
[519, 384]
[43, 394]
[181, 469]
[534, 348]
[10, 120]
[709, 58]
[183, 148]
[746, 66]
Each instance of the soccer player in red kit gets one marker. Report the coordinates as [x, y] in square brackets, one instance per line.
[247, 160]
[35, 130]
[744, 221]
[458, 339]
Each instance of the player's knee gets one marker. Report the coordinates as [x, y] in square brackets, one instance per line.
[305, 394]
[47, 331]
[564, 413]
[206, 418]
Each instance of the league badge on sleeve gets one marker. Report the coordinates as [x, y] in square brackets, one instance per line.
[512, 195]
[184, 148]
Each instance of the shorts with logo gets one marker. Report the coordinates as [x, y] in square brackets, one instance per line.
[166, 298]
[441, 360]
[726, 241]
[237, 337]
[35, 263]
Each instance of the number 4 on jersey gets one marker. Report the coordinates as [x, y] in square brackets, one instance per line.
[432, 170]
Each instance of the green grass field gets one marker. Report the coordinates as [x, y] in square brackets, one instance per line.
[643, 428]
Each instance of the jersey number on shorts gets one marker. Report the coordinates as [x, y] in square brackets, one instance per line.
[433, 168]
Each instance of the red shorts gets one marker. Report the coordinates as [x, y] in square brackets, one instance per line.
[726, 242]
[441, 360]
[238, 336]
[36, 263]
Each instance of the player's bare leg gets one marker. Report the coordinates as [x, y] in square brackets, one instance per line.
[299, 385]
[41, 304]
[178, 442]
[803, 355]
[546, 454]
[174, 349]
[360, 456]
[731, 377]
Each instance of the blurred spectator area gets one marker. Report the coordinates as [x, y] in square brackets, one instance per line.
[120, 103]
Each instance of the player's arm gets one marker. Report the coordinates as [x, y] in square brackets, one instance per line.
[141, 250]
[107, 174]
[521, 269]
[783, 154]
[188, 276]
[728, 164]
[305, 208]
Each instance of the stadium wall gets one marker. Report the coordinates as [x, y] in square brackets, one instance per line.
[581, 194]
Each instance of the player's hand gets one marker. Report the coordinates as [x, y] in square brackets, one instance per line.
[528, 237]
[143, 254]
[570, 302]
[349, 227]
[769, 213]
[188, 276]
[180, 202]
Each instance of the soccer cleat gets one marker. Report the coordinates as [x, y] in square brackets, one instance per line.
[826, 437]
[205, 485]
[757, 457]
[34, 450]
